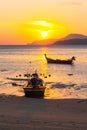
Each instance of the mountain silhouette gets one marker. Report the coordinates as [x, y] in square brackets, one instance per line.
[44, 42]
[74, 36]
[71, 39]
[71, 42]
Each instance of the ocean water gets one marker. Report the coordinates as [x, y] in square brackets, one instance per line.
[65, 81]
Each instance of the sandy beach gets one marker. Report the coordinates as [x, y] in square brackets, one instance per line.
[21, 113]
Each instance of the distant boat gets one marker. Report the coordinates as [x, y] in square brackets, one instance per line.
[59, 61]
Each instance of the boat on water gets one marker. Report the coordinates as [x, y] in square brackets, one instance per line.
[59, 61]
[35, 87]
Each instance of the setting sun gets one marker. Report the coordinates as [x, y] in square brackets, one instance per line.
[41, 29]
[44, 34]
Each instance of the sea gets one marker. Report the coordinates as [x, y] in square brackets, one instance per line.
[62, 81]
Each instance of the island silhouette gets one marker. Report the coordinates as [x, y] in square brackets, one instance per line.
[71, 39]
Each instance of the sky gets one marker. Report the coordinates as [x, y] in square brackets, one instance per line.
[25, 21]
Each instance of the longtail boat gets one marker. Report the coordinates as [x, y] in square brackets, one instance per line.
[59, 61]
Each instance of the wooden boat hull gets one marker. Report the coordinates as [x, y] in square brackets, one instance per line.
[34, 92]
[58, 61]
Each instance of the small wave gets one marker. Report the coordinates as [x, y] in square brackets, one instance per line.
[3, 70]
[81, 87]
[60, 85]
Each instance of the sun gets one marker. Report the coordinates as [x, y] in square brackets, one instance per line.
[44, 34]
[43, 30]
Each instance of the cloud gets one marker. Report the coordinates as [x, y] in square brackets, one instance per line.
[43, 25]
[72, 3]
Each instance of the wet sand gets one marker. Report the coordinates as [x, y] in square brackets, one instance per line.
[21, 113]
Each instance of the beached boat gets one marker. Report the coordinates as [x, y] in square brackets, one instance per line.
[59, 61]
[35, 92]
[35, 87]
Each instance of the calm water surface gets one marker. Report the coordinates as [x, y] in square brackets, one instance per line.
[16, 60]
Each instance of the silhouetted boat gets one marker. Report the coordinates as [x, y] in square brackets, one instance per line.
[35, 87]
[34, 92]
[59, 61]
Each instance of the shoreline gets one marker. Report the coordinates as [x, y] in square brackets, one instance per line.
[21, 113]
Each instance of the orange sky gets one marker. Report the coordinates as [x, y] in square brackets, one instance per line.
[24, 21]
